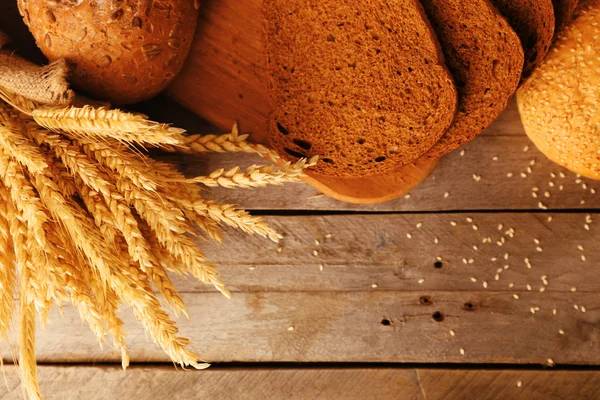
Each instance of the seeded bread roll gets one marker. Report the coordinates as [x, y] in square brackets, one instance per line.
[534, 22]
[559, 103]
[120, 51]
[563, 12]
[361, 84]
[485, 58]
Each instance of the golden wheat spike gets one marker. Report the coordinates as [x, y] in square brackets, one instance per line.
[98, 124]
[8, 273]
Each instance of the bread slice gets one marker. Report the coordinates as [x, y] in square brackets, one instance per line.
[361, 84]
[534, 22]
[485, 58]
[559, 103]
[563, 12]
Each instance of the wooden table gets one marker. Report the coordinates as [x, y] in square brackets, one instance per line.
[482, 283]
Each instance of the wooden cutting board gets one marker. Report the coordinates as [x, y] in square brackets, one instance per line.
[224, 81]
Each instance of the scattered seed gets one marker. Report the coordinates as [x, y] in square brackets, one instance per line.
[529, 170]
[506, 255]
[291, 328]
[321, 267]
[317, 242]
[475, 247]
[408, 235]
[446, 195]
[526, 148]
[519, 383]
[542, 289]
[539, 249]
[583, 257]
[419, 225]
[471, 261]
[561, 174]
[534, 195]
[551, 184]
[438, 258]
[586, 227]
[535, 189]
[453, 223]
[421, 281]
[582, 202]
[561, 187]
[532, 310]
[251, 268]
[510, 174]
[485, 284]
[495, 158]
[580, 247]
[279, 249]
[573, 289]
[550, 218]
[452, 332]
[561, 331]
[374, 286]
[436, 240]
[497, 277]
[475, 227]
[462, 152]
[529, 287]
[462, 352]
[583, 309]
[328, 236]
[551, 362]
[516, 296]
[473, 279]
[554, 311]
[493, 259]
[575, 306]
[511, 285]
[523, 175]
[546, 194]
[407, 196]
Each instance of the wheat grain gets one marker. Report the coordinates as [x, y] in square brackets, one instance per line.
[17, 101]
[95, 205]
[98, 124]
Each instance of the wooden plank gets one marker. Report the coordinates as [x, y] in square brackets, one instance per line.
[109, 382]
[368, 326]
[374, 249]
[454, 175]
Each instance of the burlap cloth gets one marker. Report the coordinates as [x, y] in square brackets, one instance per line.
[44, 85]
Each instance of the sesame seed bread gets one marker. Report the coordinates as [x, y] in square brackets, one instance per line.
[361, 84]
[563, 12]
[559, 103]
[534, 22]
[485, 58]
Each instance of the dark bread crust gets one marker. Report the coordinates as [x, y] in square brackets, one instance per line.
[534, 22]
[485, 58]
[362, 84]
[563, 12]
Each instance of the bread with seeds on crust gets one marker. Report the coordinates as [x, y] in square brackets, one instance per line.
[563, 12]
[361, 84]
[559, 103]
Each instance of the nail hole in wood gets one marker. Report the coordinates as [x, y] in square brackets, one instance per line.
[425, 300]
[386, 322]
[438, 316]
[438, 264]
[470, 306]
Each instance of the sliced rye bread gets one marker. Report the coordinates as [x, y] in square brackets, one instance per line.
[361, 84]
[485, 58]
[534, 22]
[563, 12]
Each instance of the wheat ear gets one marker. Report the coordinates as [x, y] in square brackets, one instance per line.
[98, 124]
[24, 197]
[18, 146]
[8, 273]
[17, 101]
[27, 360]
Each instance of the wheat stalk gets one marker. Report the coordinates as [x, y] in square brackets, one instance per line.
[8, 274]
[99, 124]
[27, 361]
[18, 146]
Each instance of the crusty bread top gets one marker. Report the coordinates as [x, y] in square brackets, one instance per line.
[361, 84]
[533, 20]
[563, 12]
[559, 103]
[485, 58]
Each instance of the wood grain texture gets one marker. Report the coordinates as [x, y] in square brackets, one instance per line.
[105, 382]
[376, 298]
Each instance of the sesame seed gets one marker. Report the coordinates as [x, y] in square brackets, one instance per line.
[529, 287]
[532, 310]
[552, 175]
[583, 258]
[542, 289]
[475, 247]
[578, 181]
[536, 241]
[510, 174]
[493, 259]
[506, 256]
[551, 184]
[436, 240]
[374, 286]
[464, 260]
[438, 258]
[539, 249]
[506, 266]
[446, 195]
[315, 253]
[583, 309]
[251, 268]
[485, 284]
[453, 223]
[561, 174]
[526, 148]
[499, 270]
[575, 306]
[582, 202]
[476, 177]
[587, 227]
[462, 352]
[452, 332]
[511, 285]
[516, 296]
[519, 383]
[321, 267]
[580, 247]
[554, 311]
[561, 331]
[561, 187]
[279, 249]
[573, 289]
[328, 236]
[532, 162]
[497, 277]
[523, 175]
[550, 218]
[421, 281]
[291, 328]
[462, 152]
[546, 194]
[408, 235]
[473, 279]
[593, 191]
[495, 158]
[317, 242]
[407, 196]
[534, 195]
[535, 188]
[550, 362]
[475, 227]
[419, 225]
[529, 170]
[584, 186]
[469, 219]
[471, 261]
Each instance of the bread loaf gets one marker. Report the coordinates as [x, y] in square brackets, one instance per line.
[361, 84]
[563, 12]
[485, 58]
[120, 51]
[559, 104]
[533, 20]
